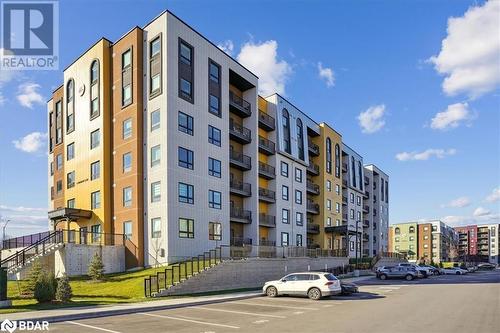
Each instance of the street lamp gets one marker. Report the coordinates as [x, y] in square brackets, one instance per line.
[3, 237]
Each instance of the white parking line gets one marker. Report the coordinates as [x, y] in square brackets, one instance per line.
[277, 300]
[188, 320]
[390, 287]
[240, 312]
[262, 321]
[276, 306]
[90, 326]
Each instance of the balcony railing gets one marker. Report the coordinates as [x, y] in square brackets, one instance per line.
[240, 241]
[367, 180]
[366, 195]
[266, 122]
[265, 242]
[313, 169]
[312, 207]
[313, 228]
[240, 215]
[267, 171]
[240, 188]
[313, 148]
[239, 133]
[266, 146]
[239, 106]
[344, 167]
[344, 182]
[267, 195]
[344, 217]
[366, 224]
[267, 220]
[312, 188]
[344, 200]
[366, 238]
[366, 209]
[240, 160]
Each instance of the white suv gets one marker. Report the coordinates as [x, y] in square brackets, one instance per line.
[426, 271]
[311, 284]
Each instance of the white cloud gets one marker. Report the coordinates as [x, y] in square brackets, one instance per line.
[227, 46]
[469, 53]
[461, 220]
[21, 209]
[480, 211]
[494, 196]
[262, 59]
[458, 203]
[372, 120]
[2, 99]
[28, 95]
[425, 155]
[31, 143]
[326, 74]
[452, 117]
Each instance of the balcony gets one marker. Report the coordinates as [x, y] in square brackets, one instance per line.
[366, 238]
[344, 167]
[240, 160]
[240, 241]
[239, 106]
[239, 133]
[344, 182]
[312, 207]
[313, 228]
[367, 180]
[313, 169]
[266, 122]
[266, 195]
[240, 215]
[312, 188]
[266, 220]
[344, 200]
[265, 242]
[266, 171]
[266, 146]
[366, 209]
[344, 217]
[240, 188]
[313, 148]
[366, 224]
[366, 195]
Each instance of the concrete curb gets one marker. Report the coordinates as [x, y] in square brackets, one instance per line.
[103, 312]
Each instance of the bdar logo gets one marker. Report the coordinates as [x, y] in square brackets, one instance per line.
[9, 326]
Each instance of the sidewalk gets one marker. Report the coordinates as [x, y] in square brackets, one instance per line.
[77, 313]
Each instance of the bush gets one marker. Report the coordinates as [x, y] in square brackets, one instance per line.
[96, 268]
[44, 288]
[28, 288]
[63, 292]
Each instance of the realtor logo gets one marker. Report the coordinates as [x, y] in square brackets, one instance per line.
[8, 326]
[30, 35]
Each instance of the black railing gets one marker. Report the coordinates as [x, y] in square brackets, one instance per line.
[313, 168]
[312, 206]
[267, 220]
[240, 131]
[240, 158]
[240, 241]
[267, 170]
[239, 103]
[237, 185]
[266, 120]
[313, 228]
[267, 145]
[241, 214]
[311, 187]
[23, 241]
[266, 194]
[313, 148]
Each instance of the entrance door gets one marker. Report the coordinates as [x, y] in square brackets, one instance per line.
[83, 235]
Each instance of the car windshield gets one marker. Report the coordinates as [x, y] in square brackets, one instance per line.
[330, 277]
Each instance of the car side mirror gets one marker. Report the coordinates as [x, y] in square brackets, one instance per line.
[283, 280]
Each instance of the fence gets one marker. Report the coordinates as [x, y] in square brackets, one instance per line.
[264, 251]
[23, 241]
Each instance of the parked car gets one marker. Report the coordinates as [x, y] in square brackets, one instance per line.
[486, 266]
[433, 270]
[453, 270]
[401, 272]
[311, 284]
[472, 269]
[426, 272]
[348, 288]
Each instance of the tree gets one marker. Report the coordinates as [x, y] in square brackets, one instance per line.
[44, 288]
[96, 268]
[63, 292]
[36, 271]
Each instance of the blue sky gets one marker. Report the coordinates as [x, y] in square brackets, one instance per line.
[378, 86]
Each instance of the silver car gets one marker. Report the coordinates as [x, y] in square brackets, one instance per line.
[400, 272]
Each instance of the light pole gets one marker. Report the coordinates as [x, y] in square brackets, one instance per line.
[3, 236]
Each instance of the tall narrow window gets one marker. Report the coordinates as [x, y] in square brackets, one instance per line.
[94, 89]
[286, 132]
[127, 128]
[382, 189]
[214, 88]
[353, 171]
[300, 139]
[155, 67]
[59, 128]
[337, 160]
[70, 106]
[127, 77]
[70, 151]
[185, 123]
[155, 155]
[386, 191]
[329, 155]
[186, 71]
[360, 175]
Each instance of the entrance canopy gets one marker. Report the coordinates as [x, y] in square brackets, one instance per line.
[69, 213]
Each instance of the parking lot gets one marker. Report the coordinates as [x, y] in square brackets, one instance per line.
[446, 303]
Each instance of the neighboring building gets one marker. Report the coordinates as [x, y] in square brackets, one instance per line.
[425, 253]
[467, 240]
[162, 137]
[479, 243]
[405, 239]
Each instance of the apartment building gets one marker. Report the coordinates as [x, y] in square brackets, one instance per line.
[467, 240]
[404, 239]
[479, 243]
[161, 136]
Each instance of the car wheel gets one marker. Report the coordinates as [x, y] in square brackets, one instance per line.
[383, 277]
[409, 277]
[314, 294]
[458, 273]
[271, 292]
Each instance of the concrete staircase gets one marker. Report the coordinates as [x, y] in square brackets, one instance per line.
[50, 249]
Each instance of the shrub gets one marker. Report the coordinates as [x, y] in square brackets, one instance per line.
[28, 288]
[44, 288]
[63, 292]
[96, 268]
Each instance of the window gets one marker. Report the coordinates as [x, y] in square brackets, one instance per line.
[155, 227]
[298, 240]
[70, 179]
[214, 72]
[214, 231]
[127, 196]
[155, 67]
[328, 186]
[186, 228]
[337, 207]
[284, 169]
[298, 175]
[155, 191]
[300, 139]
[95, 139]
[328, 221]
[397, 231]
[59, 162]
[329, 155]
[155, 155]
[329, 204]
[127, 229]
[353, 171]
[58, 122]
[352, 197]
[185, 90]
[214, 104]
[284, 192]
[382, 189]
[287, 147]
[95, 200]
[155, 120]
[94, 89]
[70, 151]
[285, 216]
[360, 174]
[155, 84]
[59, 186]
[51, 168]
[185, 123]
[214, 167]
[70, 106]
[214, 199]
[185, 53]
[337, 189]
[396, 239]
[359, 216]
[386, 191]
[351, 214]
[70, 203]
[127, 162]
[358, 200]
[298, 197]
[214, 135]
[186, 158]
[284, 239]
[186, 193]
[95, 170]
[411, 230]
[299, 218]
[127, 128]
[337, 161]
[127, 77]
